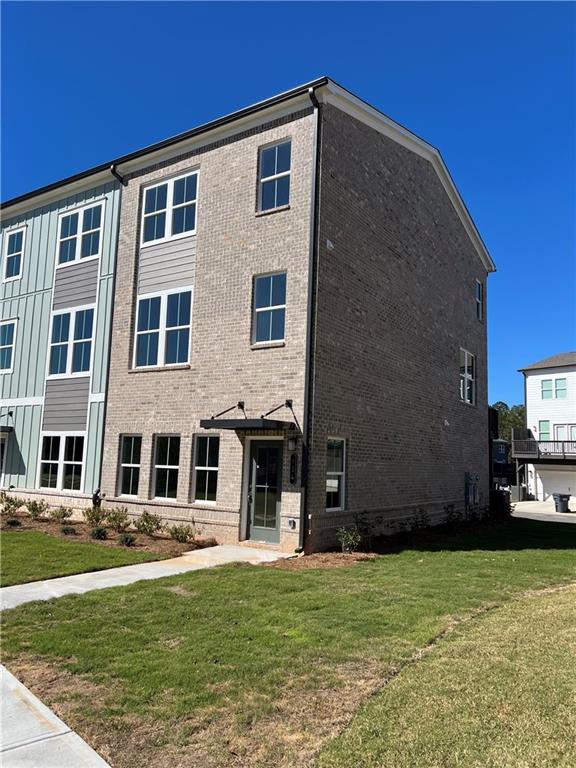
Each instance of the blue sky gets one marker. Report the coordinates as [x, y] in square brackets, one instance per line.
[491, 84]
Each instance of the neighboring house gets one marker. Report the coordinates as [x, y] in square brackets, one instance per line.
[548, 445]
[299, 329]
[58, 252]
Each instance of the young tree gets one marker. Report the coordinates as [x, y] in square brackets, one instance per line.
[509, 418]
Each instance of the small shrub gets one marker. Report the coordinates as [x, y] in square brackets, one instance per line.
[36, 509]
[94, 516]
[349, 538]
[148, 523]
[117, 518]
[126, 539]
[183, 533]
[68, 530]
[453, 516]
[98, 532]
[9, 505]
[59, 514]
[419, 521]
[13, 522]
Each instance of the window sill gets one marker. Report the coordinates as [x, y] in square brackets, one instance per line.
[268, 345]
[65, 264]
[158, 368]
[468, 405]
[11, 279]
[57, 376]
[273, 210]
[163, 240]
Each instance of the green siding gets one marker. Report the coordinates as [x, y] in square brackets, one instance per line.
[23, 445]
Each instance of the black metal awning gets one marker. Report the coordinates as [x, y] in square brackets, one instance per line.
[5, 429]
[247, 424]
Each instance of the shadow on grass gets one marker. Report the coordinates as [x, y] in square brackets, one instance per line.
[514, 534]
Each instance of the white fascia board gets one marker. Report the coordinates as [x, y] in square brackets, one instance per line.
[355, 107]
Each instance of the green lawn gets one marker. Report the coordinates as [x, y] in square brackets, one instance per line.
[255, 666]
[31, 556]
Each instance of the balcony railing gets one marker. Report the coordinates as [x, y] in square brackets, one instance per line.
[544, 449]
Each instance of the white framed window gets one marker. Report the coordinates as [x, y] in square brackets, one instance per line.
[274, 176]
[206, 457]
[61, 461]
[335, 473]
[166, 466]
[479, 297]
[7, 345]
[169, 209]
[71, 342]
[546, 389]
[13, 254]
[163, 324]
[269, 308]
[560, 388]
[544, 430]
[130, 458]
[80, 234]
[467, 377]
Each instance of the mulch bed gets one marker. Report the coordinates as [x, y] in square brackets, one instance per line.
[161, 544]
[322, 560]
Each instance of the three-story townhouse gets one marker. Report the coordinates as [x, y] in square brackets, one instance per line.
[57, 274]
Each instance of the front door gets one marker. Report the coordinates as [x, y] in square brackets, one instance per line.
[265, 490]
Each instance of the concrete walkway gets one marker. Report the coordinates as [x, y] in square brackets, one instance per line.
[544, 511]
[32, 735]
[11, 597]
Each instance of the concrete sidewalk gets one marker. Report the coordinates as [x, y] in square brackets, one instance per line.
[544, 511]
[33, 737]
[11, 597]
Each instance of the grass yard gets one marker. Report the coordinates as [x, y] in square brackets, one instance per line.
[29, 556]
[258, 666]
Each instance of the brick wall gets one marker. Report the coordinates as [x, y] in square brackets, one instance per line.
[233, 244]
[395, 303]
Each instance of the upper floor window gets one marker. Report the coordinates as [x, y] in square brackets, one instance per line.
[551, 388]
[274, 180]
[479, 300]
[163, 329]
[335, 466]
[269, 308]
[13, 254]
[71, 342]
[166, 466]
[7, 341]
[80, 234]
[467, 377]
[169, 209]
[61, 462]
[206, 467]
[130, 450]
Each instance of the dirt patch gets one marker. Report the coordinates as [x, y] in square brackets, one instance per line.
[161, 544]
[322, 560]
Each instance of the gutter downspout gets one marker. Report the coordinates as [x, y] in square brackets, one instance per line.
[311, 325]
[114, 172]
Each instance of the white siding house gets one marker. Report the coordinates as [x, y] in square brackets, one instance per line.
[550, 390]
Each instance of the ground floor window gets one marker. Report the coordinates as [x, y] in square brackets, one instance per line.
[130, 450]
[544, 430]
[61, 462]
[335, 468]
[166, 466]
[206, 467]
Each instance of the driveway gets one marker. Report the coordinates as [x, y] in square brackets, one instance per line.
[544, 510]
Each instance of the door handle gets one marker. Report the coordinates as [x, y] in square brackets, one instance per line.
[249, 498]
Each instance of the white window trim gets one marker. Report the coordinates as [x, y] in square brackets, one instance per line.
[70, 344]
[163, 295]
[7, 234]
[60, 471]
[466, 377]
[121, 466]
[80, 211]
[170, 207]
[255, 310]
[479, 300]
[562, 389]
[155, 466]
[274, 176]
[550, 430]
[550, 389]
[197, 467]
[9, 321]
[341, 474]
